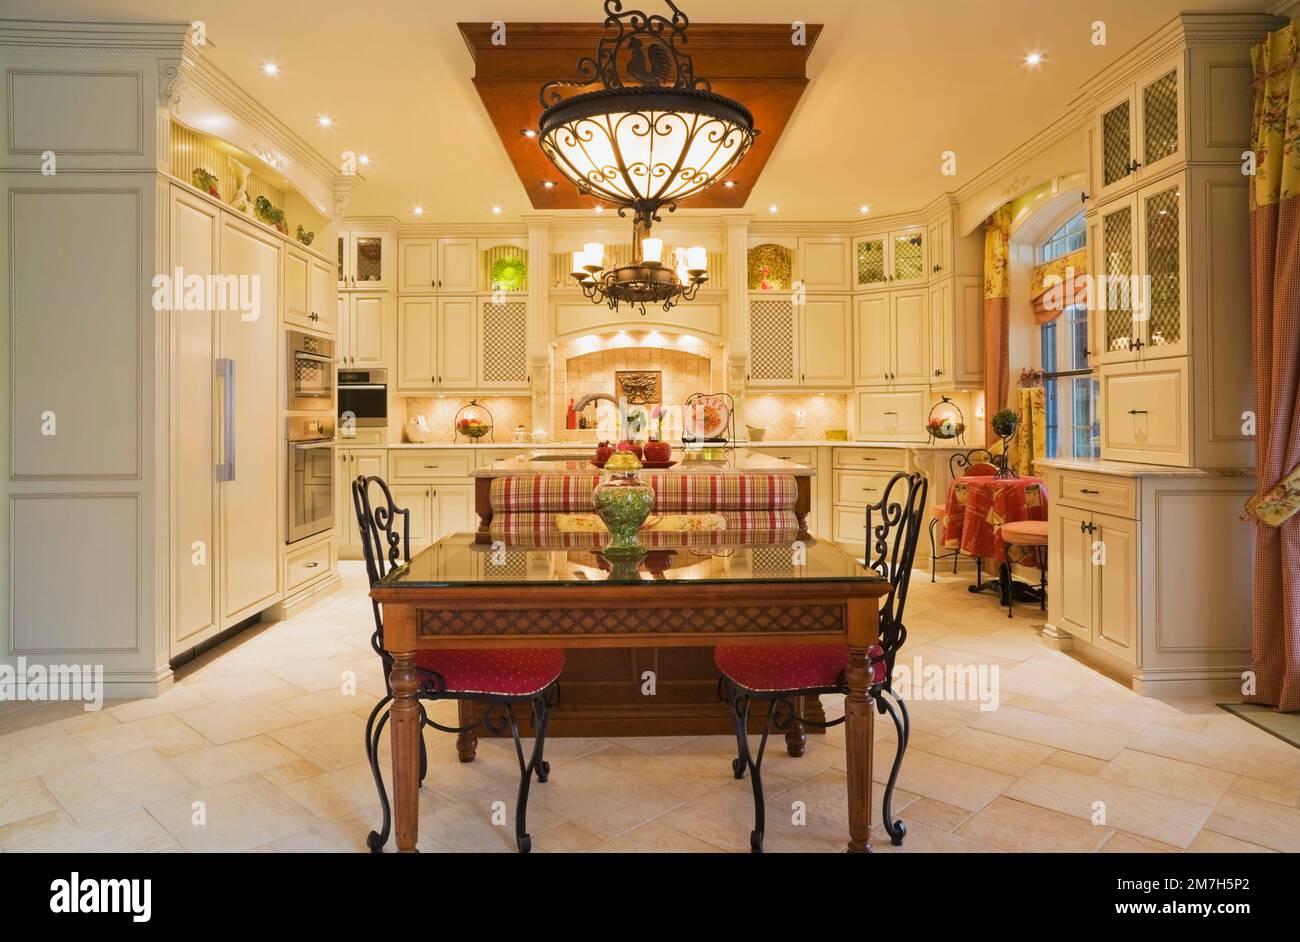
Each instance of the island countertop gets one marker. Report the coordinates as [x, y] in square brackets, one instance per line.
[737, 461]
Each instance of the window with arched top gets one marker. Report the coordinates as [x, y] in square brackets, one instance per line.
[1071, 391]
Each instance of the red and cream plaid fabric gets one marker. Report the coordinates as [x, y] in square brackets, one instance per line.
[519, 538]
[674, 493]
[513, 525]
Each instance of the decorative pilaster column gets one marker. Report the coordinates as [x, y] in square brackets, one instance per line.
[539, 324]
[736, 330]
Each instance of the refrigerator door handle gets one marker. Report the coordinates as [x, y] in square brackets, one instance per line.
[225, 368]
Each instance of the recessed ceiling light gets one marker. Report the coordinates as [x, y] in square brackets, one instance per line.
[418, 210]
[496, 210]
[729, 184]
[773, 208]
[324, 120]
[364, 158]
[1034, 58]
[528, 132]
[270, 68]
[548, 184]
[864, 209]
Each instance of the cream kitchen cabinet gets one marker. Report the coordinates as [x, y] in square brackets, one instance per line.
[426, 265]
[1141, 130]
[957, 333]
[1092, 559]
[461, 343]
[824, 264]
[891, 259]
[365, 261]
[894, 414]
[800, 345]
[939, 240]
[1145, 412]
[353, 463]
[309, 291]
[437, 510]
[1143, 292]
[891, 335]
[363, 318]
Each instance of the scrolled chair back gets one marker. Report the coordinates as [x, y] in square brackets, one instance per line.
[976, 462]
[383, 544]
[893, 529]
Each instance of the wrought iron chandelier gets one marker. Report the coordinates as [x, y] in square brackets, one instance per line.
[650, 137]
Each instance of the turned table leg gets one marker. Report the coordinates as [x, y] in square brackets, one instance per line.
[859, 717]
[796, 737]
[467, 740]
[404, 726]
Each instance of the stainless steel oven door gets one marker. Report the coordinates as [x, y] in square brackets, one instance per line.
[311, 489]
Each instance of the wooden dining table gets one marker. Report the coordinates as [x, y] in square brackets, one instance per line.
[458, 593]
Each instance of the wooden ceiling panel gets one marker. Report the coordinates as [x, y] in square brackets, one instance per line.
[756, 64]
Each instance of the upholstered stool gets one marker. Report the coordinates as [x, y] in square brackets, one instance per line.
[1025, 533]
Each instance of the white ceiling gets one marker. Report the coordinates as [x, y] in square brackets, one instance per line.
[893, 85]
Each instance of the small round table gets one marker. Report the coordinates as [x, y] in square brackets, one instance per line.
[977, 506]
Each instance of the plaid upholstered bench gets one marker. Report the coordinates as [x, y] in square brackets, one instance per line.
[527, 509]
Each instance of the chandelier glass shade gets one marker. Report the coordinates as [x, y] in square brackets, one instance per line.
[637, 129]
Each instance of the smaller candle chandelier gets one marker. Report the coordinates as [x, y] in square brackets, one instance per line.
[646, 281]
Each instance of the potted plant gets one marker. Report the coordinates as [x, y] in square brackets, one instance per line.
[1005, 422]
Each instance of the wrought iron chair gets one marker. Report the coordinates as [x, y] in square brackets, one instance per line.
[496, 677]
[778, 676]
[976, 461]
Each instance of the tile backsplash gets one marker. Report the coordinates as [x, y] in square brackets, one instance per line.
[440, 414]
[777, 414]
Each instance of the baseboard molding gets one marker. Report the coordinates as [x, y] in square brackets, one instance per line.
[300, 601]
[1198, 682]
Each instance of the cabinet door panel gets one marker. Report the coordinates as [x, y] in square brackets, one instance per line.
[873, 358]
[297, 303]
[367, 325]
[457, 266]
[1145, 415]
[417, 500]
[827, 342]
[417, 265]
[417, 331]
[193, 237]
[503, 345]
[250, 560]
[870, 262]
[1115, 586]
[910, 327]
[457, 345]
[323, 290]
[1116, 123]
[1071, 572]
[1116, 299]
[1161, 129]
[891, 415]
[907, 258]
[1162, 228]
[453, 510]
[773, 343]
[941, 332]
[824, 264]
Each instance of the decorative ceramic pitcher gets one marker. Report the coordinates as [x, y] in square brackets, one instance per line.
[623, 502]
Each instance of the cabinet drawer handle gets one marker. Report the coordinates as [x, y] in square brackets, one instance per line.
[430, 466]
[873, 459]
[868, 490]
[310, 565]
[1084, 490]
[891, 413]
[1138, 412]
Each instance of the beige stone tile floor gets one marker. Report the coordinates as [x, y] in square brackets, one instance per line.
[262, 734]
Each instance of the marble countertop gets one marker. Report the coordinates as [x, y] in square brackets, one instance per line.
[591, 446]
[740, 461]
[1126, 469]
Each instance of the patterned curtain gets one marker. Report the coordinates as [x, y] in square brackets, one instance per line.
[1031, 435]
[997, 314]
[1275, 334]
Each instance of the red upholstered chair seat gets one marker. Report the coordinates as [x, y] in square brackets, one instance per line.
[773, 669]
[505, 672]
[939, 511]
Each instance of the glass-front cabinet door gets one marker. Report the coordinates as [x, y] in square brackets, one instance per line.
[1162, 232]
[1159, 121]
[907, 258]
[1118, 335]
[869, 262]
[1114, 160]
[364, 260]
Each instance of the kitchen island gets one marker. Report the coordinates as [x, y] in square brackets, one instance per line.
[640, 690]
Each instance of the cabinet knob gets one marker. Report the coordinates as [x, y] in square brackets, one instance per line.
[938, 372]
[938, 268]
[1084, 197]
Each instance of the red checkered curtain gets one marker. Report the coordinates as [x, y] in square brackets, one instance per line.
[1275, 326]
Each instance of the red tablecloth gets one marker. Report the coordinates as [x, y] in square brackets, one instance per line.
[978, 505]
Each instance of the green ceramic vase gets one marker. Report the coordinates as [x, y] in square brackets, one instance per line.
[623, 503]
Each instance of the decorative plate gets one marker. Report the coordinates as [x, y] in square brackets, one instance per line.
[707, 417]
[508, 274]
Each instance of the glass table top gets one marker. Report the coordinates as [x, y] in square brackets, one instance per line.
[458, 561]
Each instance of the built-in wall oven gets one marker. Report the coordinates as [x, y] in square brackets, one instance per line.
[363, 400]
[310, 373]
[311, 476]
